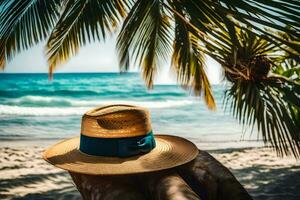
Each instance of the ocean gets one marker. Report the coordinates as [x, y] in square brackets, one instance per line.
[36, 112]
[32, 107]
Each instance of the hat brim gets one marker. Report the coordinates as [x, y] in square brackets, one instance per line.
[170, 151]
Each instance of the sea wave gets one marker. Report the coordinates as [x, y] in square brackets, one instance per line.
[38, 101]
[78, 107]
[94, 92]
[41, 111]
[46, 92]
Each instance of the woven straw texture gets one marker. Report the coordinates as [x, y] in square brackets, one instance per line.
[116, 121]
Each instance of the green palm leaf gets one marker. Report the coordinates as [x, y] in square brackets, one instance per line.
[258, 97]
[25, 23]
[273, 14]
[81, 22]
[254, 16]
[265, 104]
[189, 63]
[145, 35]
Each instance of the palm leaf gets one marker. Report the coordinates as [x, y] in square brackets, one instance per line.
[249, 15]
[256, 97]
[2, 54]
[288, 64]
[283, 13]
[260, 103]
[24, 24]
[145, 35]
[81, 22]
[203, 23]
[188, 61]
[259, 15]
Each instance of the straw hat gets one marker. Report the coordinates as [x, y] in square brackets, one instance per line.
[118, 139]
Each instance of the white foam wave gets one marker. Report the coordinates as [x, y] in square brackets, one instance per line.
[59, 101]
[148, 104]
[42, 101]
[80, 106]
[42, 111]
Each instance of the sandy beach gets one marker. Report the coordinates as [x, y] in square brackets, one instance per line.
[25, 175]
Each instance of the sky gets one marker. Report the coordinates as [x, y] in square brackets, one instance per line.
[95, 57]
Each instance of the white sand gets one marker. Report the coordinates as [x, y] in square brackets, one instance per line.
[24, 175]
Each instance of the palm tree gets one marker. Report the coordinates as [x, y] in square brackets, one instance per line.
[255, 41]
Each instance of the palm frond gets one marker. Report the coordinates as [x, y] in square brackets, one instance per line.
[204, 23]
[272, 106]
[288, 64]
[254, 16]
[145, 35]
[279, 15]
[189, 63]
[259, 98]
[81, 22]
[2, 55]
[24, 24]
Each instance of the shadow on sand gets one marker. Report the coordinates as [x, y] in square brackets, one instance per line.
[263, 184]
[270, 184]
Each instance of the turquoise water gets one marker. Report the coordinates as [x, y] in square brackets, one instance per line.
[35, 113]
[32, 107]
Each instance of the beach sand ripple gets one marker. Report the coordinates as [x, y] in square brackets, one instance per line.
[25, 175]
[263, 174]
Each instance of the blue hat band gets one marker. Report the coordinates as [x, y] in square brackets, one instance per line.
[117, 147]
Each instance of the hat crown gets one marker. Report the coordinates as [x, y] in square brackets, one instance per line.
[116, 121]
